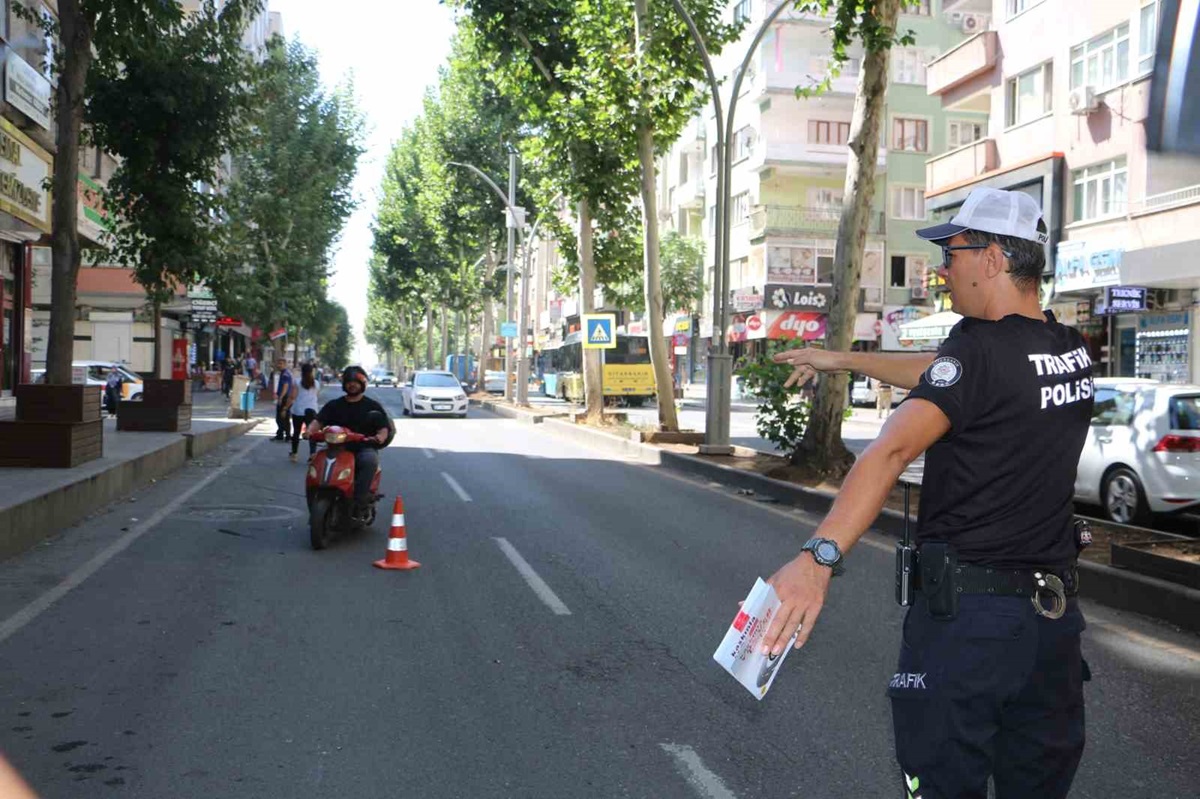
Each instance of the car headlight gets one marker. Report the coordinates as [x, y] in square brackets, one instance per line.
[461, 397]
[423, 397]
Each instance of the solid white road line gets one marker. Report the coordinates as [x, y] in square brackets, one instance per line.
[428, 452]
[463, 495]
[538, 585]
[31, 611]
[692, 768]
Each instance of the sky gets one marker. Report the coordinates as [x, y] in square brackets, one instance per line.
[393, 49]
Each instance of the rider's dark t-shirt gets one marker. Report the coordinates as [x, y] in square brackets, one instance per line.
[351, 415]
[999, 486]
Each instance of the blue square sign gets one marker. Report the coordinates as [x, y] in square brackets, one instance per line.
[508, 329]
[599, 331]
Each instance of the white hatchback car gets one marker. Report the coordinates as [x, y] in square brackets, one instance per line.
[1142, 453]
[434, 394]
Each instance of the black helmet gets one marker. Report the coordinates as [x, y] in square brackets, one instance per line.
[356, 373]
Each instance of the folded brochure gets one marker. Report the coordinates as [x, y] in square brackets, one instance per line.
[740, 651]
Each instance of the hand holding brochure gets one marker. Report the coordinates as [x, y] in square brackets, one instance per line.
[739, 652]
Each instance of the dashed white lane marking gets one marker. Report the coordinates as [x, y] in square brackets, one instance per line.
[544, 592]
[428, 452]
[692, 768]
[463, 495]
[73, 580]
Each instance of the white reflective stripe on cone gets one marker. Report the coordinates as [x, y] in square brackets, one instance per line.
[397, 545]
[397, 520]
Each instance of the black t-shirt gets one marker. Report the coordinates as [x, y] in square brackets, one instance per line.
[999, 486]
[352, 415]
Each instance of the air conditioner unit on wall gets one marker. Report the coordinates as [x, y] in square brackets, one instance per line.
[1083, 100]
[974, 23]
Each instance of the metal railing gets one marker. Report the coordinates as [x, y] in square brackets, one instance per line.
[1184, 196]
[790, 219]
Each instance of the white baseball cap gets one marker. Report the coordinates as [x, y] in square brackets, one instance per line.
[1005, 213]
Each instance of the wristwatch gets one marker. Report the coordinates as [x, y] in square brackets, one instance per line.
[826, 553]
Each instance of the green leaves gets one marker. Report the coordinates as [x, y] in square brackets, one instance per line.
[782, 417]
[851, 22]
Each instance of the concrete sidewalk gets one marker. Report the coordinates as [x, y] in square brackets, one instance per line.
[35, 503]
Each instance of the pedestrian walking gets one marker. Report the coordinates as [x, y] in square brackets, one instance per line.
[883, 398]
[112, 391]
[990, 675]
[283, 400]
[304, 408]
[251, 366]
[228, 368]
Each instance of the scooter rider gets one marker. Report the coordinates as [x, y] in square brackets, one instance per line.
[990, 675]
[357, 412]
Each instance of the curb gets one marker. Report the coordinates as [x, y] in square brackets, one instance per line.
[27, 524]
[1106, 585]
[509, 412]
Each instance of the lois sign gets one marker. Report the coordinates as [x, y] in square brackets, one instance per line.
[798, 324]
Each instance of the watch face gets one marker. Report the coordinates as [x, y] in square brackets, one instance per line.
[827, 552]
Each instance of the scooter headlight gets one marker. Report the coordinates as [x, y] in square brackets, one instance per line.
[336, 438]
[344, 474]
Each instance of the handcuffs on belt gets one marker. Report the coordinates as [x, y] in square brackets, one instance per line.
[1051, 583]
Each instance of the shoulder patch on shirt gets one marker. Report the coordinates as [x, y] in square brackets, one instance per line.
[944, 372]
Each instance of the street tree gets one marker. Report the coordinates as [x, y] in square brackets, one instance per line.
[331, 335]
[177, 80]
[872, 24]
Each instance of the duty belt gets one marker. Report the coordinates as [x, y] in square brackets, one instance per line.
[1047, 589]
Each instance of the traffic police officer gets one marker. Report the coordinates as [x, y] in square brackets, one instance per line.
[989, 680]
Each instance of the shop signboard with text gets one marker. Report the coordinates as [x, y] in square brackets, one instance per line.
[816, 299]
[803, 325]
[747, 327]
[1080, 265]
[24, 175]
[893, 317]
[1125, 299]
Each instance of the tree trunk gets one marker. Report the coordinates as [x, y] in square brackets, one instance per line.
[593, 373]
[428, 335]
[445, 337]
[296, 356]
[822, 451]
[75, 30]
[652, 283]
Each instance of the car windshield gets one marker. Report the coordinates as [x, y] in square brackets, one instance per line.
[436, 381]
[1185, 412]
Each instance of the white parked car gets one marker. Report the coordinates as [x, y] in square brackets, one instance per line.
[1142, 453]
[431, 393]
[493, 381]
[97, 375]
[384, 379]
[862, 392]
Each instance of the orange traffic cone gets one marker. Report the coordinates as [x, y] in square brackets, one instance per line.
[397, 551]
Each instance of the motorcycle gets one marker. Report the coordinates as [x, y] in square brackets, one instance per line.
[329, 487]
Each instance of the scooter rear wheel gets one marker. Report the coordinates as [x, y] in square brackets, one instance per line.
[320, 522]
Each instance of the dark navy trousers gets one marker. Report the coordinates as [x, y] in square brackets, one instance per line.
[997, 691]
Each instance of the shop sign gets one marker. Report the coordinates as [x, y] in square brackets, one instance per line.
[1081, 265]
[1174, 320]
[91, 222]
[679, 340]
[807, 298]
[747, 327]
[1124, 299]
[683, 324]
[278, 333]
[24, 172]
[228, 321]
[797, 325]
[893, 317]
[556, 310]
[27, 90]
[204, 311]
[866, 327]
[746, 299]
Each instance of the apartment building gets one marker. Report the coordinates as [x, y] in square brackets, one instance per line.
[1066, 123]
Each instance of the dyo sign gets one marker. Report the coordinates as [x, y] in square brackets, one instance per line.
[806, 298]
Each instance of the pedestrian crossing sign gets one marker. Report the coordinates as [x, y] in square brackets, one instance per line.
[598, 331]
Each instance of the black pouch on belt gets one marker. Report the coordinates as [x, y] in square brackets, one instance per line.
[937, 562]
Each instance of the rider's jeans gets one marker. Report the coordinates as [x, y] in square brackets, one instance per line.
[366, 461]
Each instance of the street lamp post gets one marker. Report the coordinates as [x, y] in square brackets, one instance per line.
[515, 238]
[720, 362]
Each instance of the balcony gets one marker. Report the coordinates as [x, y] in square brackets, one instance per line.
[801, 158]
[690, 194]
[796, 220]
[975, 56]
[965, 163]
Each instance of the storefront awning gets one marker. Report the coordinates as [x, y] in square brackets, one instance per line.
[930, 328]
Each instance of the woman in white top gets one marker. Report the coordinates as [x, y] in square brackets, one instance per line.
[304, 407]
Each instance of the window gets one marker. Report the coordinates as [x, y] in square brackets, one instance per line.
[712, 220]
[918, 8]
[960, 133]
[908, 271]
[1030, 94]
[1099, 190]
[1104, 61]
[1147, 34]
[741, 12]
[824, 266]
[908, 66]
[911, 135]
[826, 198]
[1015, 7]
[908, 202]
[743, 144]
[1112, 407]
[683, 168]
[830, 133]
[741, 207]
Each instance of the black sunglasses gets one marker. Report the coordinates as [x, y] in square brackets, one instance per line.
[948, 250]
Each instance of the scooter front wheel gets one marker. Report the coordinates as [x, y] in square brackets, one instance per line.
[320, 522]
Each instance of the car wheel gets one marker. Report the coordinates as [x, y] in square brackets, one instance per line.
[1124, 499]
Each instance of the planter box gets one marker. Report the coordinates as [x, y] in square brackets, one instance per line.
[143, 417]
[167, 393]
[71, 404]
[1141, 557]
[50, 445]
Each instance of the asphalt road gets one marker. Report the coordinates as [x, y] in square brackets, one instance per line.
[556, 642]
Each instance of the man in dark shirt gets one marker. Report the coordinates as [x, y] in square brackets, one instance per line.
[357, 412]
[283, 400]
[989, 683]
